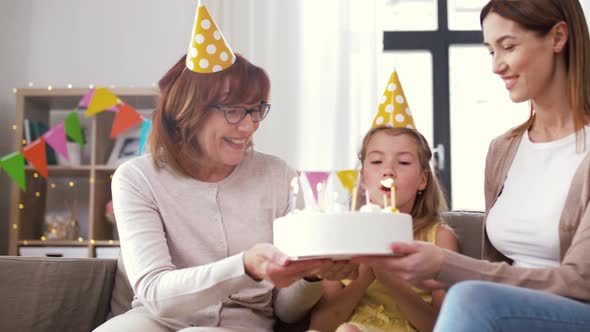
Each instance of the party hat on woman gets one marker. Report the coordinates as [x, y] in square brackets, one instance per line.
[208, 51]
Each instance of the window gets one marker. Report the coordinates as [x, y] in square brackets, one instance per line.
[437, 40]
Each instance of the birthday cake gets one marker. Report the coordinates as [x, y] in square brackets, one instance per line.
[342, 234]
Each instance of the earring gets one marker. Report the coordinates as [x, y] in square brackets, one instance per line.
[420, 193]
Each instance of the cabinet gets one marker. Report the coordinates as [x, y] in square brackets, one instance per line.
[86, 183]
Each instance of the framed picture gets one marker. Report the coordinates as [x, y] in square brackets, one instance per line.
[126, 147]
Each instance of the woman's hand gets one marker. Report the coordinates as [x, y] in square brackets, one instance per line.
[265, 262]
[421, 262]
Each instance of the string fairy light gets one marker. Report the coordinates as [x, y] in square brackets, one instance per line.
[69, 86]
[49, 88]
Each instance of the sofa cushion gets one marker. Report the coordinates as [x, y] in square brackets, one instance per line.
[54, 294]
[468, 225]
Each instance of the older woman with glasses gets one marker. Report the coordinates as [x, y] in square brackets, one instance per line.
[195, 216]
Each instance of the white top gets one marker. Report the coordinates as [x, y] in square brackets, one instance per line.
[523, 223]
[183, 240]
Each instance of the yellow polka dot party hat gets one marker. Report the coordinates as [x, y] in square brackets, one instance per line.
[393, 106]
[208, 52]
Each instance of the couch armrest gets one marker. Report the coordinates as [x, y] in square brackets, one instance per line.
[54, 294]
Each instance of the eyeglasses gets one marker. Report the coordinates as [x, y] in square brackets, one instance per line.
[234, 114]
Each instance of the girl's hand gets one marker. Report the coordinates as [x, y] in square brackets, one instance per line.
[366, 273]
[337, 270]
[421, 261]
[265, 262]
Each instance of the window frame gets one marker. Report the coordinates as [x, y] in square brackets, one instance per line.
[438, 43]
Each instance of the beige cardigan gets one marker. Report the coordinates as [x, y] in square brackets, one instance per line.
[570, 279]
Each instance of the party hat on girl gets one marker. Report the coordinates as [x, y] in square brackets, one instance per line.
[393, 107]
[208, 51]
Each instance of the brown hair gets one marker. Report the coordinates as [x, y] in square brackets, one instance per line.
[185, 99]
[431, 202]
[541, 16]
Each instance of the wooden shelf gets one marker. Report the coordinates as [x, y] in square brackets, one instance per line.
[88, 183]
[61, 243]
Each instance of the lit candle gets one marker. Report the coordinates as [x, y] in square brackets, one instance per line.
[388, 183]
[392, 191]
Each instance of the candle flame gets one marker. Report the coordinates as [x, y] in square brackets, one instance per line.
[387, 183]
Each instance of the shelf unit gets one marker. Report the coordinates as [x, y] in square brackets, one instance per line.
[87, 183]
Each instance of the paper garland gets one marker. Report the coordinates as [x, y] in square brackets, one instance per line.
[96, 101]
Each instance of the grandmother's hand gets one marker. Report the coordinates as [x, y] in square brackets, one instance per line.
[265, 262]
[419, 264]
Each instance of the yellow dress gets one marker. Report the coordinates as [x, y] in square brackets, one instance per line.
[377, 311]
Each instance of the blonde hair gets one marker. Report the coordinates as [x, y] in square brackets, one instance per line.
[541, 16]
[431, 201]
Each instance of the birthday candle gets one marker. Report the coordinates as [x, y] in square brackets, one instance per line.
[392, 191]
[367, 197]
[384, 201]
[354, 194]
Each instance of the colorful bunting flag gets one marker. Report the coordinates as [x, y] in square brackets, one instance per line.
[145, 130]
[85, 101]
[73, 128]
[14, 165]
[348, 178]
[56, 138]
[125, 118]
[35, 154]
[101, 100]
[314, 178]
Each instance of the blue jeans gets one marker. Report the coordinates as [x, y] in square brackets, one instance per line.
[485, 306]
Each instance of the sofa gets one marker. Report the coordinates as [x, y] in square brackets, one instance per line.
[61, 294]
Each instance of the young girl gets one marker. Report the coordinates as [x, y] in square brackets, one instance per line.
[371, 302]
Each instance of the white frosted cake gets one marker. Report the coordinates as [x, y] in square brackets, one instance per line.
[340, 235]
